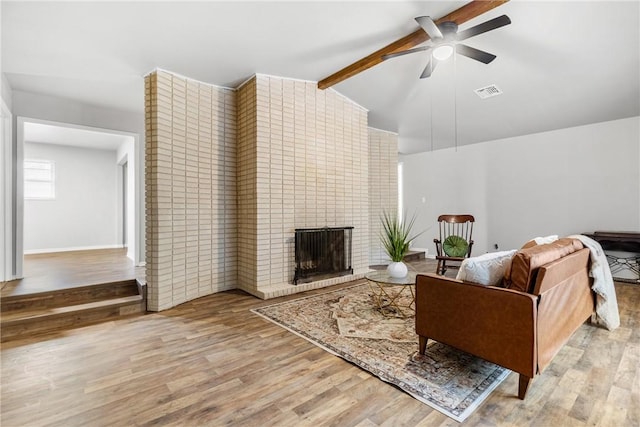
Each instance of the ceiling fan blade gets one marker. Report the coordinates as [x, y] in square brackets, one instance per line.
[429, 27]
[431, 65]
[473, 53]
[405, 52]
[489, 25]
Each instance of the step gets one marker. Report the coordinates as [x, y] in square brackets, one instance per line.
[23, 323]
[414, 256]
[27, 315]
[70, 296]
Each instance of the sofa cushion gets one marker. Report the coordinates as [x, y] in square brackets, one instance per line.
[455, 246]
[487, 269]
[521, 274]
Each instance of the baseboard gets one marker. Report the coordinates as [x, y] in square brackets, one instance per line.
[70, 249]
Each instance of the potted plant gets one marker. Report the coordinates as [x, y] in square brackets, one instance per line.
[396, 239]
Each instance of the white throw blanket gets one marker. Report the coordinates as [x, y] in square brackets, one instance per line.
[606, 301]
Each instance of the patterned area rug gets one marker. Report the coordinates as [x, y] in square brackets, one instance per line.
[346, 323]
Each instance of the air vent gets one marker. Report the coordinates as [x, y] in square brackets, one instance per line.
[488, 91]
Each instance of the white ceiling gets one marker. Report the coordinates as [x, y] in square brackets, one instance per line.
[62, 135]
[560, 63]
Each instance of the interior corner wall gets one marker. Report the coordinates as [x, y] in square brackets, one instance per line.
[190, 189]
[309, 163]
[563, 182]
[383, 188]
[446, 181]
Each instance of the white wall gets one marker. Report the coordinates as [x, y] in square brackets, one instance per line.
[7, 186]
[7, 93]
[37, 106]
[562, 182]
[84, 212]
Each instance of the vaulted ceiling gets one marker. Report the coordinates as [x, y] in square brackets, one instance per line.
[559, 64]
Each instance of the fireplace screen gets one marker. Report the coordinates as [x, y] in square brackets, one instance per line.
[322, 253]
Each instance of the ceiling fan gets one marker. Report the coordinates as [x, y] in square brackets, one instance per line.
[445, 38]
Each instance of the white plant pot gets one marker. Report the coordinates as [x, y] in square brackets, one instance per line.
[397, 270]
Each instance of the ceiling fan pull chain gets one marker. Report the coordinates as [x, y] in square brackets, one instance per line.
[455, 100]
[431, 114]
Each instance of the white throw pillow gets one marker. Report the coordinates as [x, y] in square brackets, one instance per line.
[487, 269]
[546, 239]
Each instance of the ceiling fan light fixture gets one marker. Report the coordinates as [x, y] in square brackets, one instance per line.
[443, 52]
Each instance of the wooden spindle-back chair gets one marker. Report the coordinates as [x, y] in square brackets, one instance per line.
[453, 225]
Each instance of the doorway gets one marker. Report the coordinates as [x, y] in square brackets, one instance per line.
[120, 230]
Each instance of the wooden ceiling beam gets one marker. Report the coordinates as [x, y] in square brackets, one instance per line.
[459, 16]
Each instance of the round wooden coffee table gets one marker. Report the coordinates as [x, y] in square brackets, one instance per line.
[394, 297]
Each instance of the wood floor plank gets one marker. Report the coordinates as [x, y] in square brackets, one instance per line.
[368, 398]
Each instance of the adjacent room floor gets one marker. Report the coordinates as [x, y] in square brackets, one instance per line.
[62, 270]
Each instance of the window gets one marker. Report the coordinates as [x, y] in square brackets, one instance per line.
[39, 180]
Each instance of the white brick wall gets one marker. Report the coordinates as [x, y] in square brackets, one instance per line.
[383, 187]
[311, 165]
[227, 186]
[190, 190]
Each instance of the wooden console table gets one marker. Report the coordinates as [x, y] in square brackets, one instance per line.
[624, 242]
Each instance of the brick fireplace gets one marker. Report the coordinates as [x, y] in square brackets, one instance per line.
[232, 173]
[303, 163]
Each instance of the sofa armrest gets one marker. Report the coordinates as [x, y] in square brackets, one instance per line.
[494, 323]
[566, 301]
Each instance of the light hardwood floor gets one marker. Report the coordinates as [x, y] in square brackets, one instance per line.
[64, 270]
[211, 362]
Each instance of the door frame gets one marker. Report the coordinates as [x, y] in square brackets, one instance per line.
[7, 265]
[133, 159]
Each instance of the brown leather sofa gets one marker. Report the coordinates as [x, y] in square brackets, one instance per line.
[521, 326]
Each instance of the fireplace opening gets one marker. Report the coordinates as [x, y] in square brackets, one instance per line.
[322, 253]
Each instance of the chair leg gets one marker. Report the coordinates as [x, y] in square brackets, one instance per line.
[422, 343]
[523, 386]
[438, 267]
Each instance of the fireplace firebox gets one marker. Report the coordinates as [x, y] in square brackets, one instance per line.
[322, 253]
